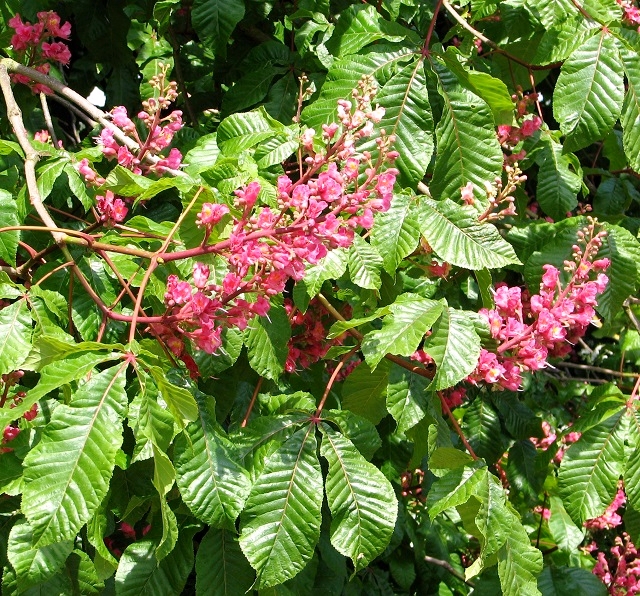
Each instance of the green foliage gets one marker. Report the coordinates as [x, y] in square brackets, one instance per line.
[345, 440]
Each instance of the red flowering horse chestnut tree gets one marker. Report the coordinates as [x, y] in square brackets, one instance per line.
[320, 297]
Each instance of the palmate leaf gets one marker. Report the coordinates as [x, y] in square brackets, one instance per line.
[211, 483]
[34, 565]
[396, 232]
[362, 502]
[67, 473]
[454, 346]
[467, 145]
[591, 467]
[15, 336]
[588, 96]
[457, 237]
[280, 524]
[221, 568]
[410, 317]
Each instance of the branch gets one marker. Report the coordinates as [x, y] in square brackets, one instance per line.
[448, 566]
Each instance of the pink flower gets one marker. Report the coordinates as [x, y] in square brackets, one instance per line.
[200, 275]
[121, 119]
[248, 196]
[530, 126]
[211, 214]
[178, 292]
[112, 210]
[57, 51]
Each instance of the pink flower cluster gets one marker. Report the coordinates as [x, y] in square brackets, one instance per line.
[631, 13]
[112, 209]
[550, 437]
[268, 246]
[12, 431]
[620, 571]
[160, 131]
[36, 44]
[308, 342]
[531, 329]
[610, 518]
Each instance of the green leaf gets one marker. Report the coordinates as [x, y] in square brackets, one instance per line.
[556, 581]
[588, 96]
[406, 400]
[409, 318]
[567, 535]
[164, 476]
[179, 399]
[251, 88]
[34, 565]
[8, 238]
[15, 336]
[467, 145]
[78, 186]
[624, 252]
[203, 155]
[360, 431]
[54, 375]
[211, 483]
[357, 27]
[452, 490]
[48, 173]
[365, 264]
[396, 232]
[67, 473]
[481, 424]
[454, 346]
[523, 473]
[490, 89]
[407, 116]
[280, 524]
[83, 574]
[457, 237]
[591, 467]
[364, 390]
[362, 501]
[343, 77]
[215, 20]
[243, 131]
[559, 180]
[140, 574]
[266, 340]
[631, 110]
[332, 266]
[221, 568]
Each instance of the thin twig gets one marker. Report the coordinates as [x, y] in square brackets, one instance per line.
[597, 369]
[245, 420]
[47, 118]
[448, 566]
